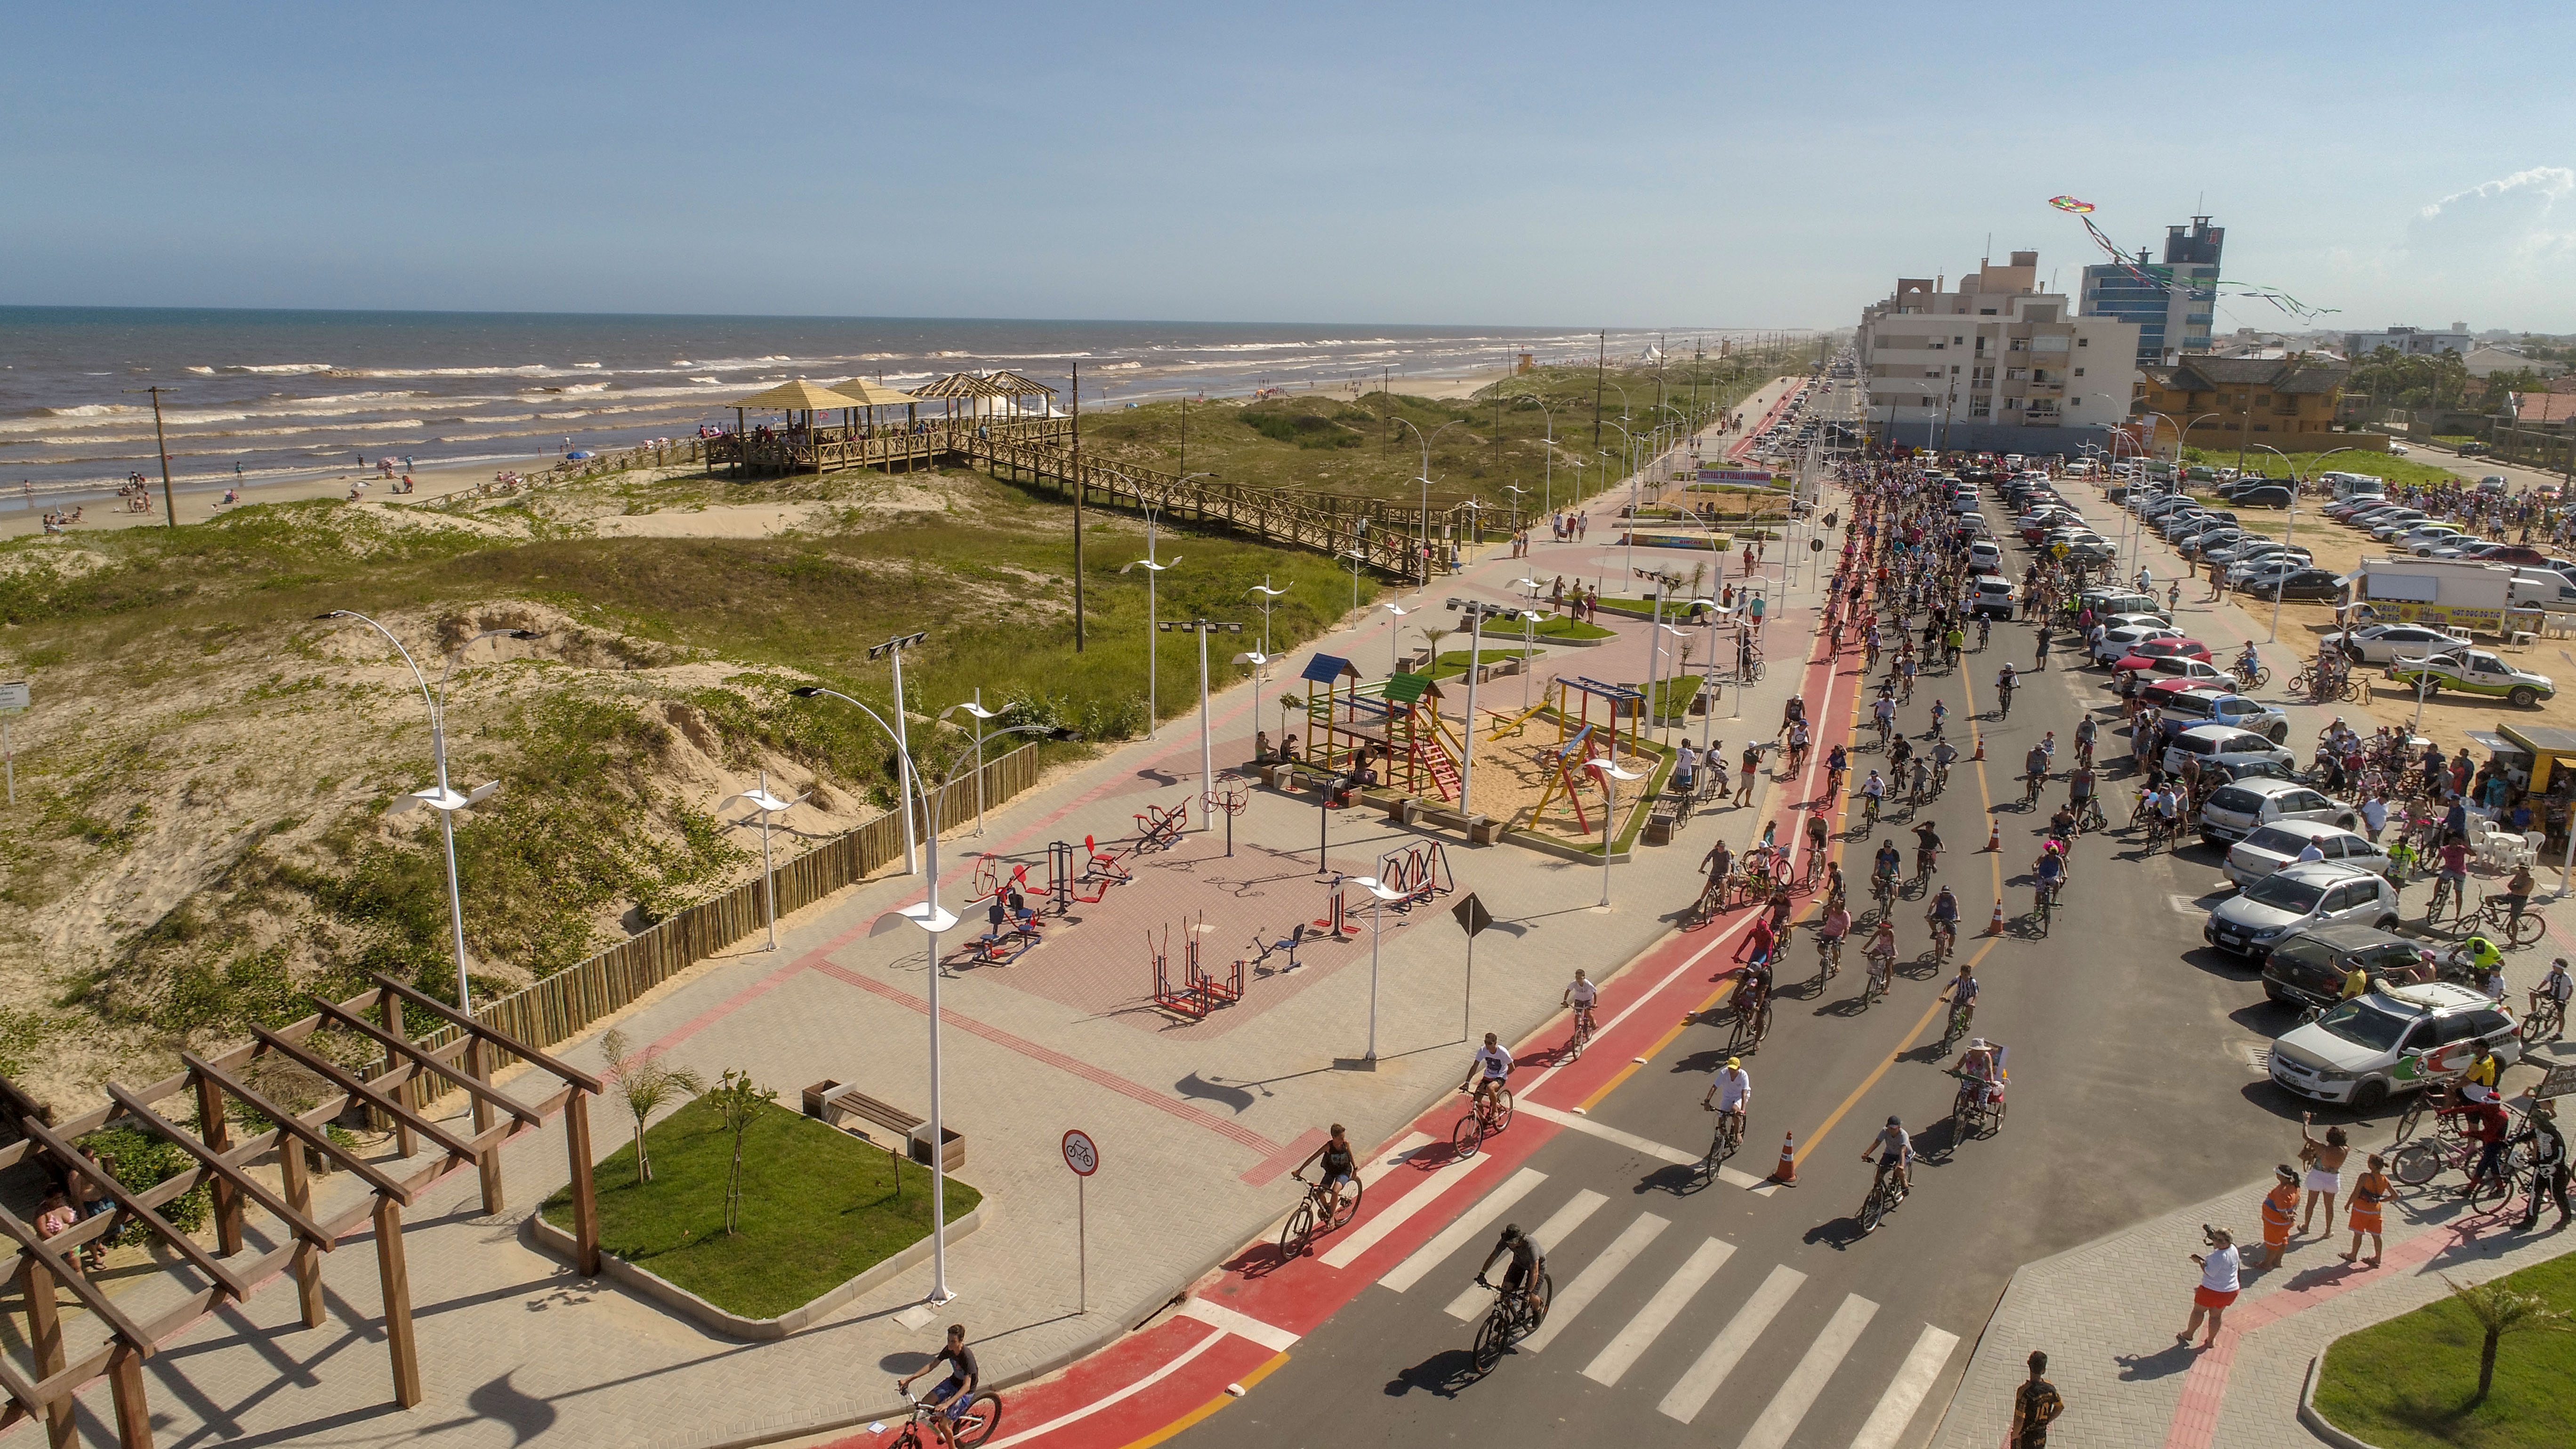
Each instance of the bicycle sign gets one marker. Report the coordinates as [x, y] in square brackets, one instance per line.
[1080, 1154]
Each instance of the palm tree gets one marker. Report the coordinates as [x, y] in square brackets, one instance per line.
[1433, 637]
[647, 1082]
[2500, 1310]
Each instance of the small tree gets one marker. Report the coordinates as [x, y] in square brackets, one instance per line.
[1434, 636]
[2500, 1310]
[648, 1083]
[738, 1101]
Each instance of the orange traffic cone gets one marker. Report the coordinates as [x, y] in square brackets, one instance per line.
[1995, 926]
[1994, 836]
[1981, 750]
[1787, 1172]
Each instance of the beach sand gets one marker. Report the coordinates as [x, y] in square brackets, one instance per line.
[201, 504]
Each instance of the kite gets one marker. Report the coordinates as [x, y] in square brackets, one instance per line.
[2163, 279]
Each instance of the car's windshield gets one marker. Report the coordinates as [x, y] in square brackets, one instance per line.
[2295, 896]
[2364, 1024]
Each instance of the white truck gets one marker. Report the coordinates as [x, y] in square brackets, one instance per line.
[2459, 595]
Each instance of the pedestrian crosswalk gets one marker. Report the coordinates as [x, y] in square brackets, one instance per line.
[1676, 1315]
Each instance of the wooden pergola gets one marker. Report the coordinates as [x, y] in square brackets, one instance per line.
[974, 389]
[208, 1086]
[1019, 386]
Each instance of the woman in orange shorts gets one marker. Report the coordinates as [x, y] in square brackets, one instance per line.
[2367, 1194]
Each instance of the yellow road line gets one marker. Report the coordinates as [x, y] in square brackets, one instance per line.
[1210, 1407]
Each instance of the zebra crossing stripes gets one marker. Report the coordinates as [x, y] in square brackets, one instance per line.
[1473, 1300]
[1364, 1236]
[1659, 1312]
[1798, 1393]
[1906, 1391]
[1471, 1224]
[1691, 1392]
[1572, 1298]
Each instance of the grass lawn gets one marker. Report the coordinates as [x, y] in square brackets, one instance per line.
[819, 1208]
[1453, 662]
[1564, 626]
[2403, 1384]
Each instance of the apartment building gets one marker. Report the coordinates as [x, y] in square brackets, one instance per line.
[1994, 363]
[2173, 302]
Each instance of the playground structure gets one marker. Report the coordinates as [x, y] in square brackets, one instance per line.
[1566, 765]
[1395, 726]
[1420, 872]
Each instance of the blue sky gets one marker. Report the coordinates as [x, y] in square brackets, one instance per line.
[1770, 165]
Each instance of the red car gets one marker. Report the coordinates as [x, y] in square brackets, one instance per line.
[2151, 650]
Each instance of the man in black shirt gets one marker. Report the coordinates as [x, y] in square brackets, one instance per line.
[2035, 1406]
[957, 1390]
[1525, 1260]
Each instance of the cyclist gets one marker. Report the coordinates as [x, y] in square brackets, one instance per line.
[1944, 917]
[1837, 765]
[1885, 864]
[2169, 811]
[1905, 672]
[1874, 791]
[1581, 994]
[2005, 682]
[1881, 952]
[1893, 1149]
[1760, 941]
[2050, 870]
[1982, 1064]
[2556, 986]
[1817, 833]
[1730, 1092]
[1985, 629]
[1831, 930]
[1339, 1164]
[1487, 1071]
[1940, 717]
[1943, 755]
[1927, 848]
[2079, 793]
[1954, 639]
[1961, 993]
[2480, 956]
[2034, 772]
[1719, 863]
[1526, 1261]
[2084, 736]
[1883, 713]
[954, 1392]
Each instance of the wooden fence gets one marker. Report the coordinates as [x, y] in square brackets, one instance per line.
[563, 1005]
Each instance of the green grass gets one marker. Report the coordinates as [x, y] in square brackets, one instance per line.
[1566, 626]
[1453, 662]
[2404, 1384]
[819, 1208]
[2396, 472]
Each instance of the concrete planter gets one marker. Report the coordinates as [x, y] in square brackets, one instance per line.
[646, 1284]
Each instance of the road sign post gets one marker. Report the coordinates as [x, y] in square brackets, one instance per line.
[1473, 919]
[1083, 1157]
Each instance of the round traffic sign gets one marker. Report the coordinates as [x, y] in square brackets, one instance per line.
[1080, 1154]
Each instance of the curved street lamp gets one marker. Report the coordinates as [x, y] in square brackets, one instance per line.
[1426, 488]
[2291, 526]
[767, 805]
[1610, 775]
[1268, 594]
[1547, 466]
[439, 796]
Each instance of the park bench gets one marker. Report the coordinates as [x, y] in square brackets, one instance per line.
[835, 1105]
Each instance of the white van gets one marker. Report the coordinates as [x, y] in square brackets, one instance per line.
[2537, 588]
[2356, 485]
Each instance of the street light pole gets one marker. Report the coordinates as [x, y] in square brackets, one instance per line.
[767, 804]
[1426, 488]
[1377, 930]
[1268, 594]
[975, 710]
[1610, 775]
[1475, 612]
[893, 649]
[1207, 749]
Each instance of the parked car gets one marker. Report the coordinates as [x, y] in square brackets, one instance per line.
[2278, 846]
[2309, 967]
[2386, 643]
[2270, 496]
[2175, 667]
[2113, 602]
[2308, 583]
[2151, 650]
[2398, 1039]
[2116, 644]
[2222, 744]
[2473, 671]
[2237, 810]
[2190, 708]
[2295, 899]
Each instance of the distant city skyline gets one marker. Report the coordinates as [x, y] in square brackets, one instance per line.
[1749, 167]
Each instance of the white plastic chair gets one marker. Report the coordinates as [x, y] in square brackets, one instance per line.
[2528, 853]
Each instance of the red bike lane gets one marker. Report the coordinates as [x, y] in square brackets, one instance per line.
[1238, 1325]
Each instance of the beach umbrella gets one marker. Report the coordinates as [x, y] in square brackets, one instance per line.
[579, 453]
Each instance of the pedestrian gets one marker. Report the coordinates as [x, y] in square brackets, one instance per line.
[2368, 1191]
[1751, 762]
[2325, 1169]
[2374, 814]
[2036, 1405]
[2218, 1285]
[2548, 1162]
[2280, 1208]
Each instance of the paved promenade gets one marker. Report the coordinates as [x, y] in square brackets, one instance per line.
[1198, 1123]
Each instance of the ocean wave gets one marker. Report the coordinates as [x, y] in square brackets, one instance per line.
[91, 410]
[589, 364]
[262, 369]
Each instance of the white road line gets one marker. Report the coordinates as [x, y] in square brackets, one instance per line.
[1732, 1177]
[1905, 1392]
[1564, 1220]
[1471, 1223]
[1798, 1393]
[1647, 995]
[1039, 1431]
[1691, 1393]
[1369, 1234]
[1659, 1312]
[1596, 1275]
[1395, 1157]
[1241, 1325]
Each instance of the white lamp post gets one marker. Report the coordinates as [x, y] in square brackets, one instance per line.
[1358, 561]
[1152, 568]
[439, 796]
[768, 805]
[893, 649]
[1207, 749]
[1377, 927]
[1475, 612]
[1268, 594]
[1425, 480]
[1610, 775]
[975, 710]
[1260, 663]
[1394, 630]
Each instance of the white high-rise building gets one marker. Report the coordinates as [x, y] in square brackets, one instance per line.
[1996, 359]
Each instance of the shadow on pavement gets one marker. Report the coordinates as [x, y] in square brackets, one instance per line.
[1444, 1374]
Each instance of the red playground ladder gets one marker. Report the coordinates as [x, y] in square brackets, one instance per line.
[1434, 755]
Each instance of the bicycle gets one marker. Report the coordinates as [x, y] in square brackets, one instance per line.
[2445, 896]
[1940, 779]
[2495, 916]
[1945, 938]
[2546, 1019]
[1515, 1313]
[1829, 958]
[1886, 729]
[1885, 1192]
[1324, 1205]
[2420, 1161]
[2043, 904]
[1752, 1007]
[1882, 888]
[1711, 903]
[969, 1429]
[1869, 813]
[1722, 1142]
[1977, 1111]
[1491, 1114]
[1962, 1013]
[1882, 973]
[1926, 861]
[2003, 703]
[2161, 832]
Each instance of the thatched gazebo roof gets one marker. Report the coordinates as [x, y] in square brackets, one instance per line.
[867, 394]
[959, 384]
[796, 396]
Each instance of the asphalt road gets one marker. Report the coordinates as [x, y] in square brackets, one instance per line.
[2136, 1088]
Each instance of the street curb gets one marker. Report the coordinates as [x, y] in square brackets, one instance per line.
[2317, 1423]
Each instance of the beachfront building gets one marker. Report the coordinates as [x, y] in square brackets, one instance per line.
[2410, 341]
[2236, 402]
[2172, 301]
[1995, 364]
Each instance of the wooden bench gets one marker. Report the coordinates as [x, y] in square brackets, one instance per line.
[835, 1105]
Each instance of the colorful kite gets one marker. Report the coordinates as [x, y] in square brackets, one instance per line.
[2163, 280]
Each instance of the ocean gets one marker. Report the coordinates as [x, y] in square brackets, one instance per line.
[264, 395]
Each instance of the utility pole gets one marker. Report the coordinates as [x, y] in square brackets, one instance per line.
[1600, 370]
[1077, 507]
[161, 444]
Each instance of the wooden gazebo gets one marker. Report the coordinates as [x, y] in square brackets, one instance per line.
[1019, 386]
[976, 390]
[136, 1323]
[799, 400]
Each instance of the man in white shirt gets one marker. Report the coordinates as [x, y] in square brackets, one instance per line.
[1731, 1090]
[1489, 1069]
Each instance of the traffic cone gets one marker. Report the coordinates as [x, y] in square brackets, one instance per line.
[1981, 750]
[1994, 836]
[1995, 925]
[1786, 1173]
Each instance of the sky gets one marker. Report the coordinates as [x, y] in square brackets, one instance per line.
[1716, 165]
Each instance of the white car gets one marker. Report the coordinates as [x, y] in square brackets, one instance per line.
[2263, 569]
[2297, 898]
[1985, 558]
[2388, 643]
[2117, 644]
[2279, 846]
[2225, 745]
[2237, 810]
[2396, 1039]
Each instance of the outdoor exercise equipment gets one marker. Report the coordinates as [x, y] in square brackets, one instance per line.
[1289, 943]
[1335, 922]
[1232, 797]
[1212, 993]
[1160, 829]
[1184, 1002]
[1418, 872]
[1102, 871]
[1011, 930]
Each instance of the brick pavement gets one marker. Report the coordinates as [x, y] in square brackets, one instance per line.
[1197, 1124]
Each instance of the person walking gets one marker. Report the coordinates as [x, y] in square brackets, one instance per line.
[2219, 1283]
[2036, 1405]
[2280, 1207]
[2369, 1191]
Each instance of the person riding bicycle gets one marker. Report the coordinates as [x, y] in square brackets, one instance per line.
[1893, 1149]
[1730, 1092]
[1981, 1064]
[2061, 826]
[2478, 956]
[2034, 766]
[2050, 869]
[954, 1392]
[1526, 1261]
[1927, 846]
[1944, 914]
[1760, 941]
[1985, 629]
[1940, 717]
[2557, 986]
[1582, 995]
[1338, 1162]
[2247, 663]
[1961, 993]
[1487, 1071]
[1943, 756]
[2005, 680]
[1835, 925]
[1883, 866]
[1818, 833]
[1954, 639]
[1874, 790]
[2085, 733]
